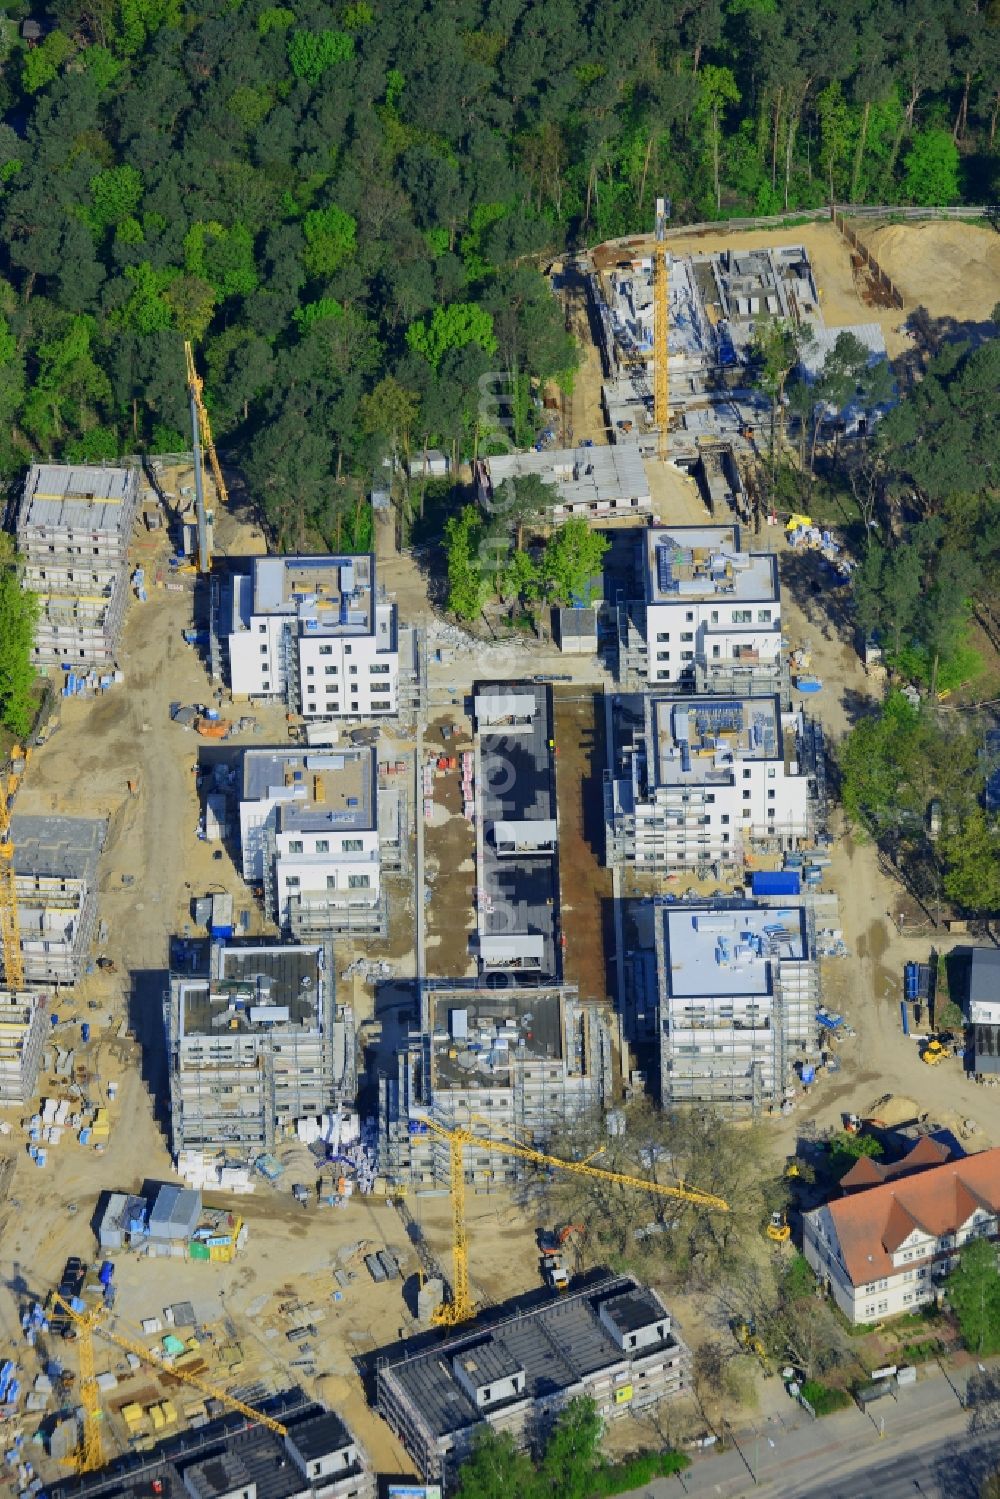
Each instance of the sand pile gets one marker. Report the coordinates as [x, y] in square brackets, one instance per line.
[952, 269]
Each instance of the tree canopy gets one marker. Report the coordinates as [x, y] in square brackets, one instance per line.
[974, 1295]
[325, 200]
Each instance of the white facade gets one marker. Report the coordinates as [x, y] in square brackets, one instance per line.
[313, 631]
[23, 1025]
[984, 987]
[704, 779]
[712, 610]
[309, 835]
[595, 483]
[884, 1251]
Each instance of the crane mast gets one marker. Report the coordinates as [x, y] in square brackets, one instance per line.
[202, 441]
[461, 1307]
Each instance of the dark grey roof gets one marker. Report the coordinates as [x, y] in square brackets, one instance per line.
[984, 975]
[986, 1048]
[319, 1435]
[65, 847]
[557, 1344]
[488, 1362]
[633, 1309]
[217, 1475]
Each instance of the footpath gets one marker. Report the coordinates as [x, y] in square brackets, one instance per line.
[790, 1454]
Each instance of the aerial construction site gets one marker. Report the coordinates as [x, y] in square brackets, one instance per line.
[353, 958]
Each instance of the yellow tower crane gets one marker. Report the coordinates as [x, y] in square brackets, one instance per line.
[461, 1307]
[196, 385]
[10, 934]
[90, 1454]
[661, 316]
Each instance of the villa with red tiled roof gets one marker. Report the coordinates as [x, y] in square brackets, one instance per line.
[884, 1249]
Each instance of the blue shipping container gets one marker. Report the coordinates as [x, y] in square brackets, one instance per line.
[774, 882]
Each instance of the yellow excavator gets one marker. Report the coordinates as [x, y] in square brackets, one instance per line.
[778, 1229]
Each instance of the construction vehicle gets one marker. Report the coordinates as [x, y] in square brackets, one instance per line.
[554, 1272]
[10, 931]
[751, 1343]
[935, 1051]
[550, 1239]
[661, 317]
[89, 1455]
[778, 1230]
[201, 439]
[462, 1307]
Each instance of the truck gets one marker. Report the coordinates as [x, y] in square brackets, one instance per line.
[554, 1272]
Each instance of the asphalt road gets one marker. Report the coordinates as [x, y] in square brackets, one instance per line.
[949, 1469]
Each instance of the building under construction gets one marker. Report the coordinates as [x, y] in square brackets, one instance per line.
[235, 1458]
[255, 1042]
[23, 1024]
[611, 1340]
[738, 990]
[523, 1061]
[55, 868]
[74, 526]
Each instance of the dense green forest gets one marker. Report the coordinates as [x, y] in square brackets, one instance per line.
[347, 206]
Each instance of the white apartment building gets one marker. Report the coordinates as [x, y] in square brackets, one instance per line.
[314, 631]
[738, 989]
[884, 1251]
[701, 780]
[309, 835]
[712, 610]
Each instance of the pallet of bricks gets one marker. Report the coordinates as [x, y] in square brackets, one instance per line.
[468, 797]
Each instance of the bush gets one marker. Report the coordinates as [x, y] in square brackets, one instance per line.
[825, 1399]
[619, 1478]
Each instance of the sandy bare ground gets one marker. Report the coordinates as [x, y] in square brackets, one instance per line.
[952, 269]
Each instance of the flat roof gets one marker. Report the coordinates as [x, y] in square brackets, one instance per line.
[556, 1344]
[984, 976]
[706, 562]
[260, 1452]
[320, 1434]
[333, 594]
[497, 1024]
[729, 950]
[580, 475]
[78, 497]
[699, 740]
[316, 789]
[59, 847]
[248, 981]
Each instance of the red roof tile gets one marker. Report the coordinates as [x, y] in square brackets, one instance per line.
[870, 1173]
[871, 1225]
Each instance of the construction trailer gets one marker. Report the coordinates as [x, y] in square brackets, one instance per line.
[74, 526]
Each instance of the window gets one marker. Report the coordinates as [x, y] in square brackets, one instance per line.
[330, 671]
[291, 882]
[746, 814]
[716, 652]
[686, 635]
[689, 616]
[724, 819]
[310, 671]
[714, 616]
[687, 655]
[742, 616]
[263, 650]
[347, 650]
[379, 671]
[353, 845]
[296, 846]
[262, 629]
[331, 882]
[771, 795]
[326, 650]
[663, 655]
[663, 635]
[358, 882]
[709, 798]
[322, 845]
[747, 774]
[353, 670]
[746, 796]
[265, 686]
[763, 616]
